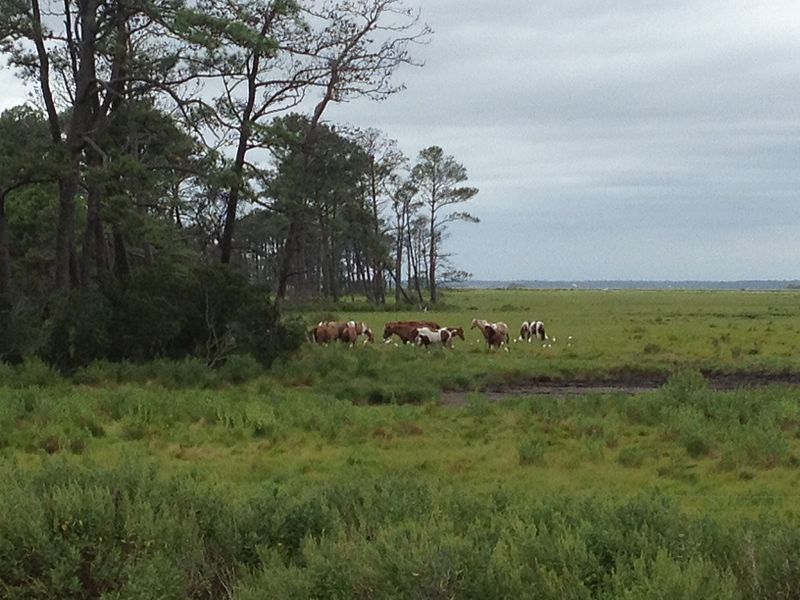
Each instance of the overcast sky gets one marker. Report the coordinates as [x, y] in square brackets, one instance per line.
[624, 139]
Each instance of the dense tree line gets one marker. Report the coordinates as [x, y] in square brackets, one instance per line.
[176, 151]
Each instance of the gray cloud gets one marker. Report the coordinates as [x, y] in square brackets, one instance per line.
[609, 139]
[613, 139]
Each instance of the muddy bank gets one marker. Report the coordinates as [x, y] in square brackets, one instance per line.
[628, 385]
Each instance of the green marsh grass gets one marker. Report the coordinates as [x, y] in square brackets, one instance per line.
[337, 474]
[292, 493]
[599, 335]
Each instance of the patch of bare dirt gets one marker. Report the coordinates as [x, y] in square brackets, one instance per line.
[629, 385]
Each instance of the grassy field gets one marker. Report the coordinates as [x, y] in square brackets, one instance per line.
[339, 475]
[614, 335]
[597, 332]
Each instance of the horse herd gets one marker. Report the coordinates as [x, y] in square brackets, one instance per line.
[423, 333]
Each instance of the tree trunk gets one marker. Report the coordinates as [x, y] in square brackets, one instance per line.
[398, 267]
[65, 233]
[226, 245]
[399, 286]
[121, 265]
[362, 276]
[285, 269]
[379, 283]
[93, 253]
[432, 263]
[5, 254]
[413, 270]
[83, 112]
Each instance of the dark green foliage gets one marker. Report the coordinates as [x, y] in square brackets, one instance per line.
[33, 372]
[10, 342]
[697, 446]
[86, 533]
[632, 456]
[168, 310]
[79, 330]
[685, 385]
[532, 451]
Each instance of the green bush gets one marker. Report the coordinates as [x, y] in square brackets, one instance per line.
[240, 368]
[531, 451]
[169, 310]
[32, 372]
[78, 330]
[20, 328]
[631, 456]
[667, 578]
[88, 531]
[478, 405]
[685, 386]
[697, 446]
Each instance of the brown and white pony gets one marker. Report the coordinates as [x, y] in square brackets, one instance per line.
[481, 324]
[361, 328]
[325, 332]
[531, 330]
[444, 336]
[406, 330]
[494, 337]
[348, 334]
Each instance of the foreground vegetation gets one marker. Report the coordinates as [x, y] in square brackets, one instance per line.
[338, 474]
[259, 491]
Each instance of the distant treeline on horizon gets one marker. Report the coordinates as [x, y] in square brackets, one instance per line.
[776, 284]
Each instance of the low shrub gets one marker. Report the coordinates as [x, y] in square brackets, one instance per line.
[685, 386]
[531, 451]
[478, 405]
[33, 372]
[631, 456]
[697, 446]
[128, 530]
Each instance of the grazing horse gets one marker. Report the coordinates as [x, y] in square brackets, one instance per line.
[531, 330]
[325, 332]
[444, 336]
[494, 337]
[330, 331]
[457, 332]
[406, 330]
[348, 334]
[499, 326]
[361, 329]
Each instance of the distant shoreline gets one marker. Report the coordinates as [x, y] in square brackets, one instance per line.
[765, 285]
